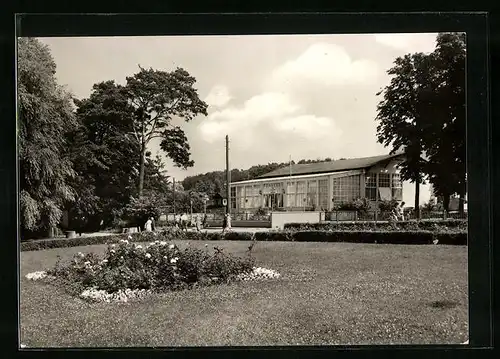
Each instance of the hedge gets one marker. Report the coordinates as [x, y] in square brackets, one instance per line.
[432, 225]
[394, 237]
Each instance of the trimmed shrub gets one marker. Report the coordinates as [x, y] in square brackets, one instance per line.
[433, 225]
[372, 235]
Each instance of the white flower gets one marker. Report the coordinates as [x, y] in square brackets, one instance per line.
[87, 263]
[171, 246]
[129, 237]
[165, 257]
[104, 261]
[123, 241]
[163, 243]
[148, 255]
[138, 246]
[80, 254]
[112, 246]
[112, 251]
[36, 275]
[174, 260]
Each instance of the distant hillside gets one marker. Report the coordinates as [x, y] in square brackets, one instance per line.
[213, 182]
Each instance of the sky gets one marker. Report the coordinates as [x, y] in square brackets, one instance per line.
[276, 96]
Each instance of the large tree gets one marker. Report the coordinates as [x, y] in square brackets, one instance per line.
[404, 115]
[103, 155]
[45, 116]
[447, 148]
[158, 97]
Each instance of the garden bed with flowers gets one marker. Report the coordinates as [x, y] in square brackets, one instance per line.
[131, 271]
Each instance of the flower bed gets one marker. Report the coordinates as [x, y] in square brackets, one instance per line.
[131, 271]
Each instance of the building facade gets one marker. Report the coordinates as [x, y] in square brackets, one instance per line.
[320, 186]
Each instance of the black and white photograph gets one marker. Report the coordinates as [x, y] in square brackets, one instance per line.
[242, 190]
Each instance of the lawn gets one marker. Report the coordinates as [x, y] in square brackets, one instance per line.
[329, 294]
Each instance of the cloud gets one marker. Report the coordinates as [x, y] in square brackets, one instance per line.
[265, 114]
[324, 64]
[218, 96]
[408, 42]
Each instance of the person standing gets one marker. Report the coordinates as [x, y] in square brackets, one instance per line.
[400, 208]
[204, 224]
[147, 225]
[198, 223]
[184, 221]
[224, 223]
[153, 225]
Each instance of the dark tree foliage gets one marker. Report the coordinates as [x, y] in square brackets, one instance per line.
[423, 113]
[447, 148]
[403, 114]
[102, 153]
[45, 116]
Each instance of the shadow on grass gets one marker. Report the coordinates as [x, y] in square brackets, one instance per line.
[443, 304]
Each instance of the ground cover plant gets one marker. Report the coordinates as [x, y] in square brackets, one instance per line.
[328, 293]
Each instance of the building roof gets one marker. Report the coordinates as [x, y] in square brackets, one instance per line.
[331, 166]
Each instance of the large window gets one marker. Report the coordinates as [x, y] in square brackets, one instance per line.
[384, 180]
[390, 186]
[257, 197]
[371, 186]
[323, 194]
[397, 187]
[233, 197]
[312, 190]
[273, 195]
[291, 189]
[346, 189]
[300, 199]
[240, 195]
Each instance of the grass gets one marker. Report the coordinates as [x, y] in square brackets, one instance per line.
[329, 294]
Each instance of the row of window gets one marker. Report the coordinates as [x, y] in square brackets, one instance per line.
[314, 193]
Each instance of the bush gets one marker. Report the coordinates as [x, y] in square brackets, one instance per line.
[436, 225]
[392, 237]
[361, 205]
[388, 206]
[157, 266]
[342, 232]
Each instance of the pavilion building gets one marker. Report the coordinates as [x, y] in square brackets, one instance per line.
[320, 186]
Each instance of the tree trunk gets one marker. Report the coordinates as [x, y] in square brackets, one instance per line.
[141, 168]
[446, 202]
[417, 199]
[461, 203]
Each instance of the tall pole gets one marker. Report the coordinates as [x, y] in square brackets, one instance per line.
[173, 193]
[228, 178]
[295, 194]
